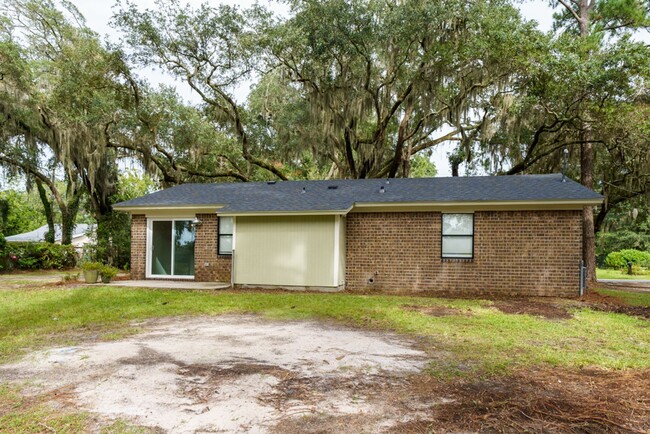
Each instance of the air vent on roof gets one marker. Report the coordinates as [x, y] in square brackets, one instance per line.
[271, 182]
[332, 187]
[304, 189]
[382, 189]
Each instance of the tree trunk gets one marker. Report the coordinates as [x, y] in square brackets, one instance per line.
[602, 213]
[588, 229]
[455, 160]
[587, 163]
[67, 228]
[47, 207]
[68, 218]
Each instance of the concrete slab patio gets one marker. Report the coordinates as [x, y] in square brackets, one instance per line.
[170, 284]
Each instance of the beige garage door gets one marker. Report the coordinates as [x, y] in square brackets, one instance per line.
[287, 251]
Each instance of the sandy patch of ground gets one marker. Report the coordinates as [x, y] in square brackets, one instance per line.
[229, 374]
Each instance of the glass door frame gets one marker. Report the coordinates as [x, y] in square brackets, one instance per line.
[149, 247]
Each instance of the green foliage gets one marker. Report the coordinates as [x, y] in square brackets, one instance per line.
[91, 266]
[478, 337]
[113, 231]
[353, 89]
[621, 258]
[70, 277]
[636, 270]
[108, 271]
[21, 415]
[422, 167]
[24, 212]
[608, 242]
[616, 273]
[113, 239]
[632, 298]
[39, 256]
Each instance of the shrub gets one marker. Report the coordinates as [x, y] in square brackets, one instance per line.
[114, 240]
[91, 266]
[39, 256]
[108, 271]
[608, 242]
[70, 277]
[621, 258]
[638, 271]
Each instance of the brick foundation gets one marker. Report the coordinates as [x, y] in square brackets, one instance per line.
[515, 253]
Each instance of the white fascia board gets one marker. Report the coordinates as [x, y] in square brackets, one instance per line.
[476, 205]
[282, 213]
[171, 210]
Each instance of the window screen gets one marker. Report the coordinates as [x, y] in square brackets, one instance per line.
[458, 236]
[225, 235]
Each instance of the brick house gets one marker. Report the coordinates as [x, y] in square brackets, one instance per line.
[474, 235]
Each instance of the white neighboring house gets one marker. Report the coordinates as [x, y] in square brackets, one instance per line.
[81, 235]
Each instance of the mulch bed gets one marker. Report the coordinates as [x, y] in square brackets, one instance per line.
[606, 303]
[540, 400]
[547, 308]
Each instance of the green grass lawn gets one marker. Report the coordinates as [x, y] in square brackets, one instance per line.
[20, 415]
[608, 273]
[473, 338]
[628, 297]
[478, 338]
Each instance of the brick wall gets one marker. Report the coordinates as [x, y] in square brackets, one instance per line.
[208, 265]
[515, 253]
[138, 246]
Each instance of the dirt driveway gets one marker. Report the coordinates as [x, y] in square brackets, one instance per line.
[229, 374]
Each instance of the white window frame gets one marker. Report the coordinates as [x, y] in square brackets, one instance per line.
[148, 274]
[232, 235]
[442, 236]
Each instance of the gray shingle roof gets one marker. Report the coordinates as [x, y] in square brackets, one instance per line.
[39, 234]
[318, 196]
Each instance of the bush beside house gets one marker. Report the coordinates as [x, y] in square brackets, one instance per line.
[608, 242]
[36, 256]
[623, 258]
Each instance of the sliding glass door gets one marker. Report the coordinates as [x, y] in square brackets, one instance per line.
[172, 248]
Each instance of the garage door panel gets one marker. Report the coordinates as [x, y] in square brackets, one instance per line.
[285, 251]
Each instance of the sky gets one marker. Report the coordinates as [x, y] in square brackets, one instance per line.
[98, 16]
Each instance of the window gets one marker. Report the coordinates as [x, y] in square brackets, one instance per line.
[225, 236]
[458, 236]
[172, 248]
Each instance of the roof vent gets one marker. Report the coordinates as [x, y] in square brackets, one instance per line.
[332, 187]
[382, 189]
[270, 182]
[304, 189]
[387, 180]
